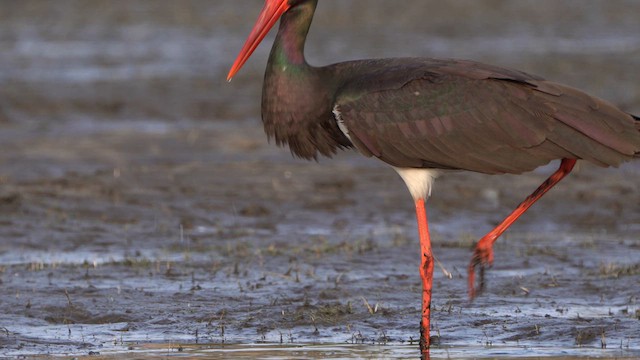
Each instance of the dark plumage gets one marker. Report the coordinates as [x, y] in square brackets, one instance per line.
[463, 115]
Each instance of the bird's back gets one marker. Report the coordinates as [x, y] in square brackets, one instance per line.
[453, 114]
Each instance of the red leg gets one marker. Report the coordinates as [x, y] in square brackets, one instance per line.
[426, 273]
[483, 254]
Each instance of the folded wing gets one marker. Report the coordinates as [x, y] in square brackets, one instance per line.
[464, 115]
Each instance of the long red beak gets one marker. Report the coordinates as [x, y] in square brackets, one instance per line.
[270, 14]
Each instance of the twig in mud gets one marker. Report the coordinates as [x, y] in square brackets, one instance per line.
[488, 343]
[458, 273]
[383, 339]
[313, 321]
[372, 310]
[66, 293]
[311, 272]
[446, 272]
[449, 307]
[357, 337]
[288, 272]
[287, 275]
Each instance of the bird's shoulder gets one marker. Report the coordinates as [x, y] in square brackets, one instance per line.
[362, 77]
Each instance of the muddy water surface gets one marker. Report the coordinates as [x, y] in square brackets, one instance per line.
[142, 211]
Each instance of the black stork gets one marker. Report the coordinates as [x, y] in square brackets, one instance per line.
[427, 116]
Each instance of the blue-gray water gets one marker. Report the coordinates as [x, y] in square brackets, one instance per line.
[134, 178]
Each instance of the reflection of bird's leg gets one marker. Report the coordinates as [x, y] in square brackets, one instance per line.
[483, 254]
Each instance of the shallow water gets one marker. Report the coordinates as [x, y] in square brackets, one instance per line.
[142, 210]
[350, 351]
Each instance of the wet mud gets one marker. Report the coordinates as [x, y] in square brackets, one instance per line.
[142, 210]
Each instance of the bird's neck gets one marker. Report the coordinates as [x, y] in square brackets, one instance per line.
[296, 97]
[288, 48]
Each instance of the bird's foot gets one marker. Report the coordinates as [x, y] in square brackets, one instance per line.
[482, 258]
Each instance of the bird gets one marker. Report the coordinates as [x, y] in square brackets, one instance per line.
[425, 117]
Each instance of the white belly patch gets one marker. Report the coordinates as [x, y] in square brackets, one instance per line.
[419, 181]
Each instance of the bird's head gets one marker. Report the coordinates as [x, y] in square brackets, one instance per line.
[271, 12]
